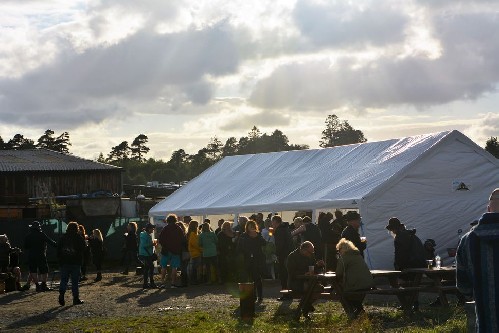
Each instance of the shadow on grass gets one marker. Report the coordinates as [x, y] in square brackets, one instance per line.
[16, 296]
[37, 319]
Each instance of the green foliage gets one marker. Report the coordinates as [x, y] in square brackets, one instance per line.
[492, 146]
[339, 133]
[59, 144]
[138, 148]
[119, 153]
[19, 142]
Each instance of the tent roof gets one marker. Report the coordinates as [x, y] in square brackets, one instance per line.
[298, 180]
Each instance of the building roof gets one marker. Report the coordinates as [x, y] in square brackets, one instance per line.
[37, 160]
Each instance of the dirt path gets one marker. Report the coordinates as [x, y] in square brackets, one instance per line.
[115, 296]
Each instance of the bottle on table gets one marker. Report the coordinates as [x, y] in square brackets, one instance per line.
[438, 262]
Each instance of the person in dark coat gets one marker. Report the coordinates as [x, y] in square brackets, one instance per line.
[184, 257]
[283, 246]
[70, 251]
[226, 248]
[251, 246]
[298, 263]
[172, 240]
[409, 250]
[87, 255]
[96, 244]
[130, 247]
[477, 267]
[351, 232]
[336, 228]
[36, 244]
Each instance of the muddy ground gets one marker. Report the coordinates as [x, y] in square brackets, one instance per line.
[115, 296]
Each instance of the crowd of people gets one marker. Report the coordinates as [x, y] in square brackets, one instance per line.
[75, 250]
[191, 253]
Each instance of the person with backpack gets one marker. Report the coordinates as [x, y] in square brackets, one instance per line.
[409, 250]
[70, 251]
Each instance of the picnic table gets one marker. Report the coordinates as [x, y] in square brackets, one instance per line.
[441, 281]
[405, 295]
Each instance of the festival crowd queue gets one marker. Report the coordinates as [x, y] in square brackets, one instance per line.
[190, 253]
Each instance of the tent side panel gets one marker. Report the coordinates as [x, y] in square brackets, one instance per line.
[427, 199]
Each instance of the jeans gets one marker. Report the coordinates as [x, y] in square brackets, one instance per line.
[148, 269]
[129, 257]
[68, 271]
[195, 263]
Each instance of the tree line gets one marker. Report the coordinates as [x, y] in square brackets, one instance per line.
[183, 166]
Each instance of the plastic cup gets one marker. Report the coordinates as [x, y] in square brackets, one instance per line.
[363, 239]
[271, 231]
[429, 263]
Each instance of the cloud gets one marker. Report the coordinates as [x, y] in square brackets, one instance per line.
[262, 120]
[484, 128]
[137, 69]
[341, 24]
[467, 68]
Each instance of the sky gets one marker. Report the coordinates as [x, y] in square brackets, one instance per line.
[182, 72]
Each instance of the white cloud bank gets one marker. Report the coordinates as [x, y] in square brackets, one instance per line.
[78, 66]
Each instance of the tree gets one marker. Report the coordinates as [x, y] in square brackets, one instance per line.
[339, 133]
[164, 175]
[62, 142]
[101, 158]
[46, 140]
[214, 149]
[119, 153]
[59, 144]
[19, 142]
[492, 146]
[199, 162]
[2, 144]
[139, 148]
[230, 148]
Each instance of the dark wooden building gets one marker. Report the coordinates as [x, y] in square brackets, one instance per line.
[42, 173]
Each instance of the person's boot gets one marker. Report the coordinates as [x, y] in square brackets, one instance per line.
[77, 301]
[25, 287]
[62, 302]
[99, 277]
[44, 287]
[18, 286]
[38, 287]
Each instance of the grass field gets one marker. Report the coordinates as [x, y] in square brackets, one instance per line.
[272, 317]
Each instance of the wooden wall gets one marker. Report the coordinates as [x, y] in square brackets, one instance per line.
[17, 187]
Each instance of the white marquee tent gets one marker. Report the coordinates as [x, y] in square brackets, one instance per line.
[437, 183]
